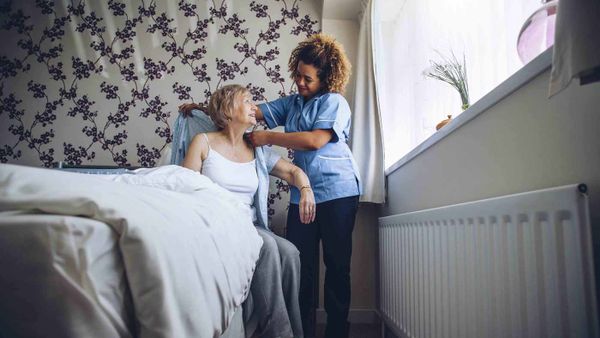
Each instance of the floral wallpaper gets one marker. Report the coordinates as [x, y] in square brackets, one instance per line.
[99, 82]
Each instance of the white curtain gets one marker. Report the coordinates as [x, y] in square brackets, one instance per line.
[409, 34]
[366, 138]
[577, 43]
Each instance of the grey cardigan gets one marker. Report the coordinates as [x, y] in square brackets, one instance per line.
[187, 127]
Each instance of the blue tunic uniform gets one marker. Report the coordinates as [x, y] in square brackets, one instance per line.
[331, 169]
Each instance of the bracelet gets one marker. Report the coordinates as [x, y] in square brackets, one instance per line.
[305, 187]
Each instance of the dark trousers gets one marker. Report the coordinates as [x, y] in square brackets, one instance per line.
[333, 226]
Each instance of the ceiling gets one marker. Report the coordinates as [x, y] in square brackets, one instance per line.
[350, 9]
[341, 9]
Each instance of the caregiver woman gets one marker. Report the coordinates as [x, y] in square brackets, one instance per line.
[317, 125]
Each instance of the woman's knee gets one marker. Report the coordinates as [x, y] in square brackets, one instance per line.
[269, 247]
[289, 253]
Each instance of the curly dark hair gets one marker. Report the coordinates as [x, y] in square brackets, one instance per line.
[327, 55]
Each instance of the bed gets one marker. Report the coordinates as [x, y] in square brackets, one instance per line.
[160, 252]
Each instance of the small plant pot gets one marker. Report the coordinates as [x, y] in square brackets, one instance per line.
[443, 123]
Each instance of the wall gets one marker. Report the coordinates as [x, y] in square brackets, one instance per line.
[346, 32]
[524, 142]
[100, 83]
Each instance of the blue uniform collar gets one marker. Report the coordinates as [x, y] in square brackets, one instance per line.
[302, 102]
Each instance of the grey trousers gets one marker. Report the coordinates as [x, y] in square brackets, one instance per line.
[274, 288]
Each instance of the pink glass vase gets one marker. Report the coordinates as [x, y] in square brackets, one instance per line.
[537, 33]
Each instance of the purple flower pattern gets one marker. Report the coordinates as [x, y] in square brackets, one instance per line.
[108, 108]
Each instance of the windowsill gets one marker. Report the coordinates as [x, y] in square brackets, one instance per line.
[514, 82]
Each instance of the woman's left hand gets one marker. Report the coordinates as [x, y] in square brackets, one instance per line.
[186, 108]
[258, 138]
[307, 207]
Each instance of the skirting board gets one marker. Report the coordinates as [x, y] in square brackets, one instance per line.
[355, 316]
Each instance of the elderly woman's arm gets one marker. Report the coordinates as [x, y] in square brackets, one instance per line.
[296, 177]
[196, 152]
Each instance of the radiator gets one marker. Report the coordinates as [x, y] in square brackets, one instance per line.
[513, 266]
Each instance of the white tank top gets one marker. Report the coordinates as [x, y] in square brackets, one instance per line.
[239, 178]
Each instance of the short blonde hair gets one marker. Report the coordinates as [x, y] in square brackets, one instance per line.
[327, 55]
[223, 103]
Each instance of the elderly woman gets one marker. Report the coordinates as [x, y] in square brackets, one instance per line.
[229, 161]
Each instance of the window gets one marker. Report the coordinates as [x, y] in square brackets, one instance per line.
[408, 34]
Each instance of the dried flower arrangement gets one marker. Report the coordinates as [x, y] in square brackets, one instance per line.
[453, 72]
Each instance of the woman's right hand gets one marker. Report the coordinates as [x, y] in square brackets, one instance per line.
[258, 138]
[288, 172]
[307, 206]
[187, 108]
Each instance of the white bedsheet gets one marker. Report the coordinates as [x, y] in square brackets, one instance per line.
[62, 276]
[189, 257]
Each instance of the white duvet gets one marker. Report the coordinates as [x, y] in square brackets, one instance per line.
[188, 247]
